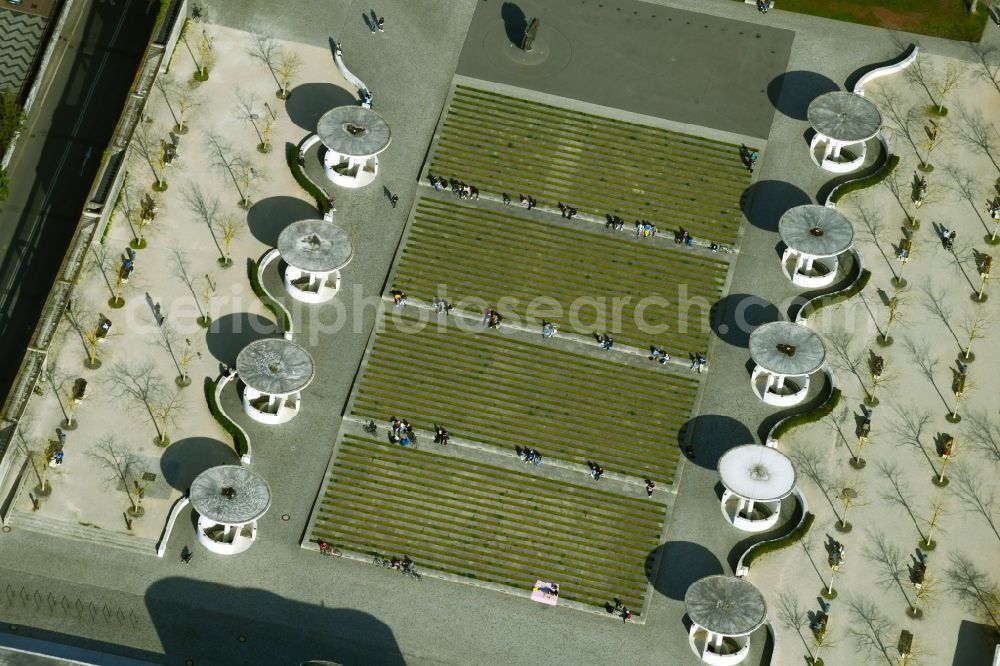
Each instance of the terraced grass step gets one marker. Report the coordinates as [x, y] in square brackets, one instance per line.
[596, 164]
[488, 523]
[641, 293]
[503, 391]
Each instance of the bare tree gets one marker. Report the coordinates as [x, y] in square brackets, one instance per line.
[873, 229]
[36, 458]
[976, 496]
[182, 269]
[984, 434]
[964, 184]
[936, 302]
[870, 629]
[147, 142]
[978, 133]
[93, 329]
[247, 110]
[206, 208]
[974, 326]
[164, 408]
[206, 55]
[812, 464]
[265, 49]
[845, 356]
[792, 617]
[988, 58]
[113, 271]
[974, 589]
[891, 564]
[123, 466]
[246, 175]
[906, 123]
[139, 381]
[229, 229]
[909, 427]
[289, 63]
[921, 73]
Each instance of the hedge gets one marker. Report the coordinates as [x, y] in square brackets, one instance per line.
[809, 417]
[765, 547]
[272, 305]
[812, 307]
[239, 437]
[862, 183]
[292, 157]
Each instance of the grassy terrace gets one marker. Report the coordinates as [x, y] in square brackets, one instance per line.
[596, 164]
[478, 253]
[488, 523]
[489, 388]
[939, 18]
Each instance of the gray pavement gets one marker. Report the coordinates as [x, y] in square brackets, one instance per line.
[657, 61]
[285, 601]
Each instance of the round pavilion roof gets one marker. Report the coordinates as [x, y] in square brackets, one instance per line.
[816, 230]
[844, 116]
[230, 494]
[275, 366]
[315, 245]
[801, 352]
[726, 605]
[354, 131]
[757, 472]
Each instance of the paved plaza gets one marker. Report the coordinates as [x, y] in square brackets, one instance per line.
[76, 571]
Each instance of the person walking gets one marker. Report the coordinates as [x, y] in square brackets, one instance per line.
[394, 199]
[506, 199]
[381, 24]
[650, 487]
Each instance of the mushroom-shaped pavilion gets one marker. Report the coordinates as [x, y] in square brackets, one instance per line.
[274, 371]
[783, 350]
[756, 478]
[353, 136]
[724, 611]
[842, 120]
[229, 500]
[314, 252]
[813, 236]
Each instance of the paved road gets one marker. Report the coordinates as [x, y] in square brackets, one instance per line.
[58, 156]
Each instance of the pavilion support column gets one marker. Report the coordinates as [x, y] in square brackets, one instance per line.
[807, 264]
[779, 383]
[836, 150]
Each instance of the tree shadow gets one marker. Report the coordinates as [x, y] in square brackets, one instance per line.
[309, 101]
[765, 201]
[229, 334]
[792, 92]
[706, 437]
[340, 635]
[681, 564]
[185, 459]
[268, 217]
[736, 316]
[514, 22]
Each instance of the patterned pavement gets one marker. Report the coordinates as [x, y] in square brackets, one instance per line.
[22, 40]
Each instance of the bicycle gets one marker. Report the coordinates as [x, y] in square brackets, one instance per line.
[370, 428]
[380, 562]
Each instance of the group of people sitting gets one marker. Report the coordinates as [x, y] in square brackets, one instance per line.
[567, 211]
[596, 471]
[682, 237]
[645, 228]
[613, 222]
[405, 564]
[441, 436]
[605, 340]
[657, 354]
[948, 239]
[398, 297]
[492, 318]
[529, 455]
[459, 188]
[401, 432]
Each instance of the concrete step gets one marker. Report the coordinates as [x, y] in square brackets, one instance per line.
[73, 530]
